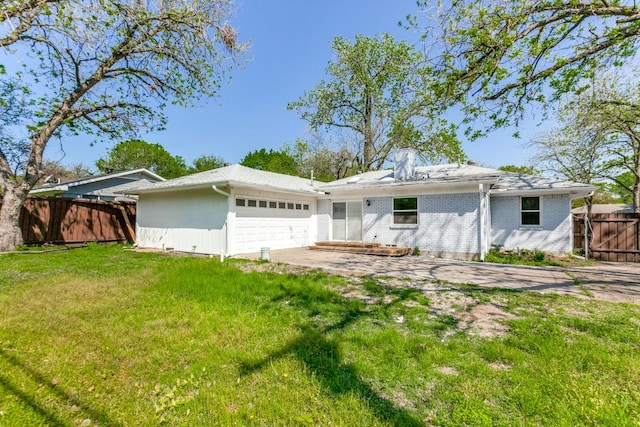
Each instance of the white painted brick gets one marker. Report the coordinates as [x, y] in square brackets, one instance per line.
[553, 236]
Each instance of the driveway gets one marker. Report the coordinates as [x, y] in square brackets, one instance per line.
[615, 282]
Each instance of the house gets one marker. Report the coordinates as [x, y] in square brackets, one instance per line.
[453, 210]
[106, 187]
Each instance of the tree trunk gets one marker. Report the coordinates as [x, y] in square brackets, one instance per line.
[10, 231]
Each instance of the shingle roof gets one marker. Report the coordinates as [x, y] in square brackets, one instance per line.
[435, 175]
[234, 175]
[514, 182]
[64, 186]
[424, 176]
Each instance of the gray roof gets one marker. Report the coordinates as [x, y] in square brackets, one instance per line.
[141, 174]
[448, 174]
[424, 176]
[236, 175]
[511, 182]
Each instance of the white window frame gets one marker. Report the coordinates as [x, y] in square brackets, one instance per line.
[538, 211]
[401, 211]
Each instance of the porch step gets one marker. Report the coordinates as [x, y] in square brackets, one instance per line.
[361, 248]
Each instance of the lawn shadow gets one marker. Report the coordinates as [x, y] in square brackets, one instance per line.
[48, 415]
[322, 356]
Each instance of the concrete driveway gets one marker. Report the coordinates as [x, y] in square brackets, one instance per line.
[616, 282]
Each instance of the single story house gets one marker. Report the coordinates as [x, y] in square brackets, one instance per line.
[108, 187]
[452, 210]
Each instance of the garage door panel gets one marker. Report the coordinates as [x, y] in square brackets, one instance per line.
[275, 233]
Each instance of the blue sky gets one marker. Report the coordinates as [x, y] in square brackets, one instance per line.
[290, 48]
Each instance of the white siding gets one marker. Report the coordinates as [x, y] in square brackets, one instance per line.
[185, 221]
[324, 220]
[554, 235]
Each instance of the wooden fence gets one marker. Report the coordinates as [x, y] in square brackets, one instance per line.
[612, 237]
[67, 221]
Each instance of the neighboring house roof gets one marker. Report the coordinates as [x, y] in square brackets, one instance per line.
[101, 184]
[235, 175]
[605, 209]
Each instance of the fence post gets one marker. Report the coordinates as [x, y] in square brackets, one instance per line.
[586, 235]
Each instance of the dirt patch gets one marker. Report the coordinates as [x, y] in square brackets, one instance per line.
[485, 320]
[448, 370]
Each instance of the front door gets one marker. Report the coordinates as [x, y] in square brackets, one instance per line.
[347, 221]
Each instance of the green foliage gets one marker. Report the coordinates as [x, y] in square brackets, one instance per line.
[136, 154]
[521, 256]
[499, 57]
[598, 137]
[379, 91]
[205, 163]
[524, 170]
[271, 161]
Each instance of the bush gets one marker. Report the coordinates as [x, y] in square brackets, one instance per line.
[521, 256]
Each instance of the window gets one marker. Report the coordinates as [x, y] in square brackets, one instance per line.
[262, 203]
[405, 210]
[239, 202]
[282, 205]
[251, 203]
[305, 207]
[289, 205]
[530, 210]
[298, 206]
[273, 205]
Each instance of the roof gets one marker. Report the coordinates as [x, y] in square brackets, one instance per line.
[449, 174]
[605, 208]
[511, 182]
[65, 186]
[425, 176]
[237, 175]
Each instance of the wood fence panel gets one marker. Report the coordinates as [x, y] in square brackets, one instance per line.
[612, 237]
[57, 220]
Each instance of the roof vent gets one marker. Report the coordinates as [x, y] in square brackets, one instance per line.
[404, 164]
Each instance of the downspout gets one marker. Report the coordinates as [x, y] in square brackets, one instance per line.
[226, 223]
[484, 220]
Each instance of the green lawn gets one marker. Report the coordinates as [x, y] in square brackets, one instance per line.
[107, 336]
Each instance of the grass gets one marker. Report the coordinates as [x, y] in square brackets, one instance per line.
[105, 336]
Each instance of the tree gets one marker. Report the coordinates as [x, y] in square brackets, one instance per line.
[599, 137]
[106, 68]
[317, 160]
[19, 16]
[135, 154]
[524, 170]
[54, 171]
[271, 161]
[499, 56]
[379, 91]
[206, 162]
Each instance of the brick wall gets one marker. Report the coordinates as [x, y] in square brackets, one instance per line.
[554, 235]
[447, 224]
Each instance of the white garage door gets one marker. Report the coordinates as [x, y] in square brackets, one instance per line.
[258, 225]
